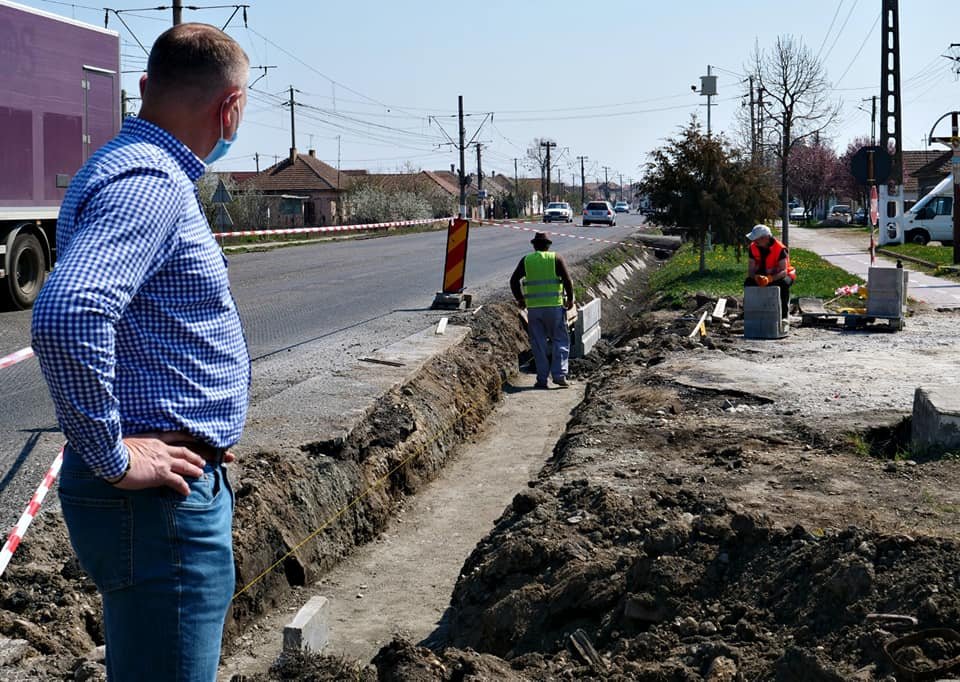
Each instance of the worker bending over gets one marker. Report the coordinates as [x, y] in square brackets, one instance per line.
[770, 265]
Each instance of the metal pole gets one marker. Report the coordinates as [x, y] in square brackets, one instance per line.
[516, 186]
[256, 160]
[293, 126]
[955, 121]
[177, 12]
[753, 127]
[709, 101]
[479, 183]
[463, 162]
[583, 183]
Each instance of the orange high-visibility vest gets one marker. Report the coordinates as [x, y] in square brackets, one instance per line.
[769, 266]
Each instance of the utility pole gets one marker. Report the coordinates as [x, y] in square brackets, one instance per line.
[479, 182]
[606, 183]
[753, 127]
[583, 183]
[760, 127]
[293, 128]
[873, 119]
[708, 88]
[621, 186]
[549, 145]
[463, 161]
[516, 185]
[891, 192]
[177, 12]
[256, 160]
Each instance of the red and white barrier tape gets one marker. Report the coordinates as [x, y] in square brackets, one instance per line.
[14, 358]
[330, 228]
[19, 530]
[514, 226]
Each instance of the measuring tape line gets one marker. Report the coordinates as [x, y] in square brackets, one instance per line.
[19, 530]
[419, 450]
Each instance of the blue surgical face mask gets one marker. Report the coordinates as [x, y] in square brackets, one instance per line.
[223, 145]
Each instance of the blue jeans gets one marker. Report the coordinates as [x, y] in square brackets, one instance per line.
[549, 325]
[163, 565]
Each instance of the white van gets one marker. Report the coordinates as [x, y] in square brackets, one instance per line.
[931, 218]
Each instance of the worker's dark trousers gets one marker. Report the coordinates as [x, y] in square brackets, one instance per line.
[784, 285]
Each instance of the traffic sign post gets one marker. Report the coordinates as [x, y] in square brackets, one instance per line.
[454, 268]
[221, 196]
[953, 141]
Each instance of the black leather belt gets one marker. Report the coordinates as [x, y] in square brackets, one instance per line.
[213, 456]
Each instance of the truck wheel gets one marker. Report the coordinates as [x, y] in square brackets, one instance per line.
[920, 237]
[27, 271]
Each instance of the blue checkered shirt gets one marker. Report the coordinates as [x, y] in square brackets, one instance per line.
[136, 330]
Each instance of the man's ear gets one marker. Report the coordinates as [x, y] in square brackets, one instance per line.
[143, 84]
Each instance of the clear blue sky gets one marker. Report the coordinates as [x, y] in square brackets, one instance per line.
[386, 66]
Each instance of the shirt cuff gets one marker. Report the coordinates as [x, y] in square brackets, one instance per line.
[115, 464]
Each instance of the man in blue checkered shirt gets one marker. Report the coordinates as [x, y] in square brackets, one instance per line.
[140, 342]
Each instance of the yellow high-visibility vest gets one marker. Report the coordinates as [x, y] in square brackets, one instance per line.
[542, 288]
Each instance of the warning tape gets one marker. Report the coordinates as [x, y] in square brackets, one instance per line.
[514, 226]
[14, 358]
[331, 228]
[19, 530]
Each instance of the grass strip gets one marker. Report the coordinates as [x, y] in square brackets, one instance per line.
[680, 278]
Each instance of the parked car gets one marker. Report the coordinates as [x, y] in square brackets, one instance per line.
[860, 217]
[599, 212]
[798, 213]
[840, 212]
[621, 207]
[558, 211]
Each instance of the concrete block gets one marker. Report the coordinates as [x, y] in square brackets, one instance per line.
[584, 342]
[586, 330]
[761, 313]
[309, 629]
[887, 289]
[936, 420]
[589, 314]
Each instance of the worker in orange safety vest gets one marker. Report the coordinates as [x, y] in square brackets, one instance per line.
[770, 265]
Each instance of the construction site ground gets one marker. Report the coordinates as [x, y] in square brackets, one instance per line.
[714, 508]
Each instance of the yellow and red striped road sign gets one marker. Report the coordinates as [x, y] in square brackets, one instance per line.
[456, 261]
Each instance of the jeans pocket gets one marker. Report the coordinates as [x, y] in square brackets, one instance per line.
[101, 532]
[204, 491]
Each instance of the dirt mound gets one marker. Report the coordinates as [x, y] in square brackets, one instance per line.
[671, 582]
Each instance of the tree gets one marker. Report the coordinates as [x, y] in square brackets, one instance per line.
[795, 100]
[703, 185]
[813, 169]
[847, 185]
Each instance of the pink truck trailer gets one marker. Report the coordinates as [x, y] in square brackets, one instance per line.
[59, 102]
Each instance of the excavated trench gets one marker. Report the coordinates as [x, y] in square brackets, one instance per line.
[299, 510]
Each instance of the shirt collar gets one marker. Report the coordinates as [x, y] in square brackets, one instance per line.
[150, 132]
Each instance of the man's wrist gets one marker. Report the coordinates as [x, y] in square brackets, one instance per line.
[116, 479]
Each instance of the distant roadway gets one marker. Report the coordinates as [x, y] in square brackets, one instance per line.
[306, 310]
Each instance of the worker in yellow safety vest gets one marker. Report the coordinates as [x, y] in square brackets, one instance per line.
[770, 265]
[546, 294]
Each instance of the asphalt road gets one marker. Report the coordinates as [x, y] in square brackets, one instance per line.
[306, 310]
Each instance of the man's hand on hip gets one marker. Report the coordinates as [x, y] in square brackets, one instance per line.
[155, 461]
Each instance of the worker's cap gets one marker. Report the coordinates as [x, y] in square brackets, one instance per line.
[759, 231]
[541, 238]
